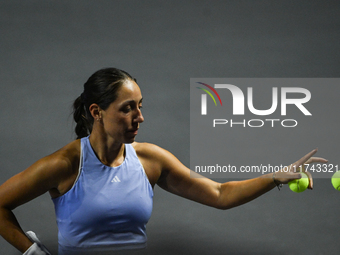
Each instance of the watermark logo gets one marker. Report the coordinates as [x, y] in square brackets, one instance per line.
[243, 100]
[204, 97]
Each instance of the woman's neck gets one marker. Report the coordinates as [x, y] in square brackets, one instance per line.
[110, 153]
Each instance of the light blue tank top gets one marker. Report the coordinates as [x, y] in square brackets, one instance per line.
[107, 208]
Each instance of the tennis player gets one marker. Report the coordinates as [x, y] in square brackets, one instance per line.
[102, 183]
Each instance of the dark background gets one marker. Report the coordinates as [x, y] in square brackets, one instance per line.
[50, 48]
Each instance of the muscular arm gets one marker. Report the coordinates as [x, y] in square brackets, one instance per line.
[47, 174]
[178, 179]
[174, 177]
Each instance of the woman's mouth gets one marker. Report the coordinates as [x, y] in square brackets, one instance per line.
[133, 131]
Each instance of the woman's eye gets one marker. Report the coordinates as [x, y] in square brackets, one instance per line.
[127, 109]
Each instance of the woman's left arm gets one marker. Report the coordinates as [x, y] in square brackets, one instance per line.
[176, 178]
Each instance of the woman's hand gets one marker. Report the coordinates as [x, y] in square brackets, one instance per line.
[293, 171]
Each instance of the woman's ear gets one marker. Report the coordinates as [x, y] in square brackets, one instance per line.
[95, 111]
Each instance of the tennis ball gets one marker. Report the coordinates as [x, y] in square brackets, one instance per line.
[336, 180]
[299, 185]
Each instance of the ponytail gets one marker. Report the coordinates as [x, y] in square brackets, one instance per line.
[83, 125]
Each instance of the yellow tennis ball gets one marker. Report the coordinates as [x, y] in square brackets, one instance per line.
[299, 185]
[336, 180]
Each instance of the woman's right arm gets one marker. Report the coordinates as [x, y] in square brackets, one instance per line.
[48, 174]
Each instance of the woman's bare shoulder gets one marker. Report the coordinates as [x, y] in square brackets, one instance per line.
[150, 155]
[148, 150]
[154, 155]
[70, 151]
[64, 165]
[60, 165]
[69, 154]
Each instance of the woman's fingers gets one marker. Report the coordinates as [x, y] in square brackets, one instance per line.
[310, 178]
[304, 159]
[316, 159]
[299, 166]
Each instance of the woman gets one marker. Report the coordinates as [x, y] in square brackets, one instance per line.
[102, 183]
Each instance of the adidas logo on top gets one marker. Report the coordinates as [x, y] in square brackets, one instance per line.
[115, 179]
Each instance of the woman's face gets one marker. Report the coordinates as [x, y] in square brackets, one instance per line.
[122, 118]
